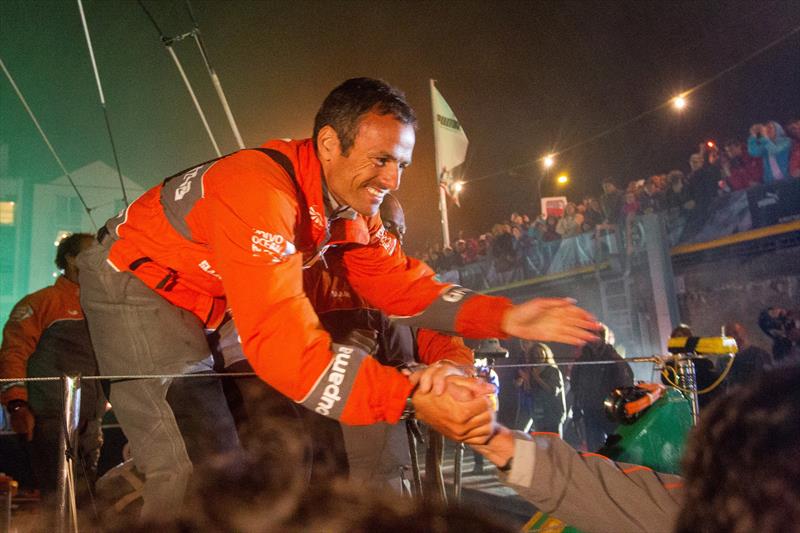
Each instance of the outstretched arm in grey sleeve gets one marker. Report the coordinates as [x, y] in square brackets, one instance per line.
[587, 491]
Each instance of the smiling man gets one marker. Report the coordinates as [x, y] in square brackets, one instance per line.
[234, 234]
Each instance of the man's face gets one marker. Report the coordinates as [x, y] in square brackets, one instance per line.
[381, 151]
[394, 219]
[794, 129]
[733, 150]
[696, 161]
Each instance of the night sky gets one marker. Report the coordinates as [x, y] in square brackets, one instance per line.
[523, 78]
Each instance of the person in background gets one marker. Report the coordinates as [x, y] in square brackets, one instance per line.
[783, 327]
[770, 143]
[542, 396]
[568, 225]
[651, 200]
[593, 214]
[611, 204]
[695, 163]
[739, 168]
[45, 336]
[550, 232]
[793, 130]
[677, 196]
[591, 384]
[750, 361]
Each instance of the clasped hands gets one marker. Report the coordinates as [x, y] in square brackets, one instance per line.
[454, 403]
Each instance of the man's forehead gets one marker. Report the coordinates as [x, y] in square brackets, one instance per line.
[385, 132]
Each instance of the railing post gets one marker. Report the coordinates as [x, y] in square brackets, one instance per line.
[457, 471]
[66, 511]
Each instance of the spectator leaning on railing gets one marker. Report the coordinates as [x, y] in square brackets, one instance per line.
[770, 143]
[651, 200]
[740, 169]
[568, 225]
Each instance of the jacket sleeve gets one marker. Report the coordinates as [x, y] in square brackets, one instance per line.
[755, 146]
[406, 290]
[589, 491]
[254, 251]
[20, 336]
[435, 346]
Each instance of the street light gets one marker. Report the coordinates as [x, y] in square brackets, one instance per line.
[679, 102]
[549, 160]
[563, 179]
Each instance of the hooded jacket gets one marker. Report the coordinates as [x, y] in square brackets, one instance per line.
[774, 153]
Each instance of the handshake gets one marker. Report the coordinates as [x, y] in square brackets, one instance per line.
[454, 403]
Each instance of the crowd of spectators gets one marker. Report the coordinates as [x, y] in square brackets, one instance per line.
[770, 154]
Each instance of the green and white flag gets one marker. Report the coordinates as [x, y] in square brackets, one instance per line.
[449, 140]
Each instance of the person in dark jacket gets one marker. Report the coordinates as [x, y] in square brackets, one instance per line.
[591, 384]
[542, 399]
[46, 336]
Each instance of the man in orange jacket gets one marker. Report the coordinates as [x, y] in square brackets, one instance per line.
[46, 336]
[235, 233]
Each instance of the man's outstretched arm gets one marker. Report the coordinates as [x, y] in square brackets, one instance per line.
[587, 491]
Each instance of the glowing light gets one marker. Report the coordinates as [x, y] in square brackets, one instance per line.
[679, 102]
[563, 179]
[549, 160]
[710, 144]
[458, 186]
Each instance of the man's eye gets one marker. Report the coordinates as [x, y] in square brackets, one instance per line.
[381, 161]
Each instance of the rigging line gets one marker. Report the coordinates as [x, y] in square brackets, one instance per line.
[198, 39]
[103, 102]
[647, 112]
[167, 42]
[199, 109]
[47, 142]
[152, 20]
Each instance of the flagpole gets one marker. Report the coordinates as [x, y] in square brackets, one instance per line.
[442, 194]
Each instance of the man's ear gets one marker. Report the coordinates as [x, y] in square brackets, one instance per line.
[328, 145]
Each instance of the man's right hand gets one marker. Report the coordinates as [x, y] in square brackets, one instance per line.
[23, 421]
[551, 319]
[464, 412]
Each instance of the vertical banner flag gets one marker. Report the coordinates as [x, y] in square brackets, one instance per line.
[450, 143]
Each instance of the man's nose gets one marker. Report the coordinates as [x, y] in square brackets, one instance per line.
[390, 177]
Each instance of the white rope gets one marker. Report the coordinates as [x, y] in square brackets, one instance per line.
[135, 376]
[103, 102]
[194, 98]
[91, 54]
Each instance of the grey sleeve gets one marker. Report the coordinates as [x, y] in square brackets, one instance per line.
[441, 314]
[591, 492]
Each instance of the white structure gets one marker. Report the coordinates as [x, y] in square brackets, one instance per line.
[58, 211]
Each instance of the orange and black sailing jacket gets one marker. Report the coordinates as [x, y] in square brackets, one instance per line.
[236, 233]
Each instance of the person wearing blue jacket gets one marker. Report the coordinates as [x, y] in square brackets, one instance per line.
[770, 143]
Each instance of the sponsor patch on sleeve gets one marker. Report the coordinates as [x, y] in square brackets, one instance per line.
[20, 313]
[273, 245]
[329, 395]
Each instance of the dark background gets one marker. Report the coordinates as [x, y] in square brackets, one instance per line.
[523, 78]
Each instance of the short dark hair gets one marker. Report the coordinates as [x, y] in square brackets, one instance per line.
[741, 467]
[344, 107]
[70, 245]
